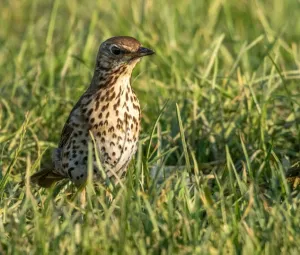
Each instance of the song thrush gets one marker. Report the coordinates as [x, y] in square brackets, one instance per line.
[109, 110]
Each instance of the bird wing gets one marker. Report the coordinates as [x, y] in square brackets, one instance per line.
[66, 134]
[48, 175]
[68, 127]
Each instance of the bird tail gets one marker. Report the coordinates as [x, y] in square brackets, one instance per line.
[45, 178]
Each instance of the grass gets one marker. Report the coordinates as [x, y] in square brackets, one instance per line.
[221, 126]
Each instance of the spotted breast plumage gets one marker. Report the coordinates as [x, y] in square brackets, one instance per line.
[108, 111]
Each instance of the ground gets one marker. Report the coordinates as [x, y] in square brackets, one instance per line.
[221, 127]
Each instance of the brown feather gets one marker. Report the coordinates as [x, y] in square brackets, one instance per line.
[68, 129]
[45, 178]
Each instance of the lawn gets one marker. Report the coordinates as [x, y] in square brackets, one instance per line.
[220, 128]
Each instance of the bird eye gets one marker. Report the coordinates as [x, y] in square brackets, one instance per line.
[115, 50]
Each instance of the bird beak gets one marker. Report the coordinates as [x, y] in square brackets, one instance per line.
[142, 51]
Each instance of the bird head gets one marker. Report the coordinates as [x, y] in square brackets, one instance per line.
[120, 51]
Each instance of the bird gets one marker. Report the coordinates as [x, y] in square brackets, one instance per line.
[108, 113]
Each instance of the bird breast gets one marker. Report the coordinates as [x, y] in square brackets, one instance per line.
[113, 116]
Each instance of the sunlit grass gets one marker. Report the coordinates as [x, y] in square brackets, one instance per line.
[221, 126]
